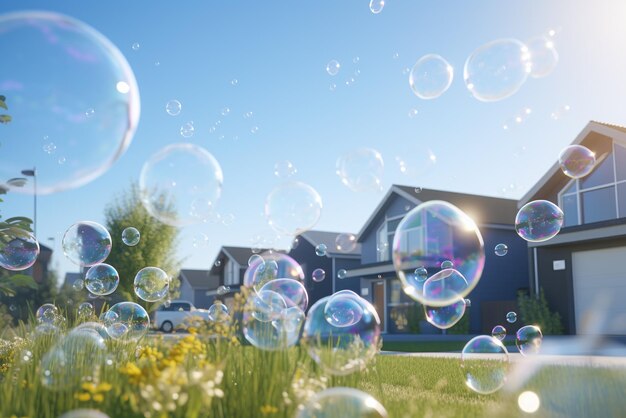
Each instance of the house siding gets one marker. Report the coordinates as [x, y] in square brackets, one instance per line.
[186, 291]
[202, 300]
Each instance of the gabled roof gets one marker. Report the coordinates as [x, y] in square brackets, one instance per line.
[484, 210]
[240, 254]
[596, 136]
[328, 239]
[200, 279]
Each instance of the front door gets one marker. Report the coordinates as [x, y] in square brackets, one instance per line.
[378, 292]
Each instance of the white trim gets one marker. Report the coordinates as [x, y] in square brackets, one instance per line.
[536, 265]
[384, 268]
[578, 236]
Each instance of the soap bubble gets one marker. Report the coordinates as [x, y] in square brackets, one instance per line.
[498, 332]
[254, 258]
[18, 249]
[59, 68]
[444, 317]
[136, 46]
[293, 208]
[501, 250]
[342, 273]
[173, 107]
[151, 284]
[187, 129]
[538, 221]
[180, 184]
[421, 274]
[200, 240]
[271, 266]
[85, 310]
[577, 161]
[84, 413]
[318, 275]
[343, 309]
[511, 317]
[78, 285]
[340, 402]
[284, 169]
[431, 76]
[127, 321]
[279, 332]
[222, 290]
[47, 314]
[528, 340]
[86, 243]
[291, 320]
[484, 362]
[218, 312]
[292, 291]
[345, 242]
[413, 113]
[497, 70]
[266, 305]
[376, 6]
[131, 236]
[102, 279]
[361, 170]
[333, 67]
[321, 250]
[447, 264]
[342, 350]
[468, 303]
[543, 56]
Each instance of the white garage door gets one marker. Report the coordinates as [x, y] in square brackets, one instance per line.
[600, 291]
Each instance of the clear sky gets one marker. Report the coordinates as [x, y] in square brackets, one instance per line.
[278, 51]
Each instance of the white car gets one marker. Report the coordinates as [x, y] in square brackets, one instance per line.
[178, 313]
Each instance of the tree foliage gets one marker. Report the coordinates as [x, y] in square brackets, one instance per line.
[156, 248]
[535, 311]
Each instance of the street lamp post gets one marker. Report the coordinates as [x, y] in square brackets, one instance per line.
[33, 173]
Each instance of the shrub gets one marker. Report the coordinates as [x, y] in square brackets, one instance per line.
[535, 311]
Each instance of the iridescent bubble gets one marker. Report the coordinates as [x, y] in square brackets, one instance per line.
[577, 161]
[102, 279]
[343, 309]
[78, 285]
[341, 350]
[498, 332]
[484, 363]
[333, 67]
[18, 249]
[293, 208]
[501, 250]
[269, 327]
[342, 273]
[340, 402]
[292, 291]
[291, 320]
[447, 264]
[46, 314]
[468, 303]
[218, 312]
[83, 69]
[412, 250]
[431, 76]
[361, 170]
[421, 274]
[271, 266]
[321, 250]
[255, 258]
[497, 70]
[181, 184]
[151, 284]
[538, 221]
[85, 310]
[528, 340]
[127, 321]
[267, 305]
[222, 290]
[444, 317]
[131, 236]
[318, 275]
[187, 130]
[284, 169]
[511, 317]
[86, 243]
[543, 56]
[376, 6]
[173, 107]
[382, 247]
[345, 242]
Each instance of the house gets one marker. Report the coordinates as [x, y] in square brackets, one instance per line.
[501, 279]
[228, 269]
[40, 268]
[580, 269]
[195, 285]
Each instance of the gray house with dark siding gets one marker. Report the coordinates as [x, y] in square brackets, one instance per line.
[194, 285]
[502, 277]
[581, 270]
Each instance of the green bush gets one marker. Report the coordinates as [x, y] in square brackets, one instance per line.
[462, 327]
[535, 311]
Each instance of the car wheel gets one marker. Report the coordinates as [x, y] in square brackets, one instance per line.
[167, 326]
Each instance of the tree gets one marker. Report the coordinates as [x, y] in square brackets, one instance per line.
[156, 248]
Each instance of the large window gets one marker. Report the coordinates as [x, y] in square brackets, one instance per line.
[384, 238]
[231, 273]
[601, 195]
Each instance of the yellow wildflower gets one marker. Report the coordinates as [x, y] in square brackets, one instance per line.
[98, 397]
[268, 409]
[83, 397]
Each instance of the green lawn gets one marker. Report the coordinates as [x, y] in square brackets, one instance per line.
[427, 346]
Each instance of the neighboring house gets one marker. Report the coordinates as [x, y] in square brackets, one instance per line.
[331, 263]
[580, 269]
[502, 277]
[40, 268]
[228, 267]
[195, 285]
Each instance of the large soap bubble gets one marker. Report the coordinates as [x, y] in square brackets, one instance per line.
[528, 340]
[151, 284]
[18, 249]
[72, 98]
[269, 324]
[86, 243]
[539, 220]
[271, 266]
[485, 363]
[127, 321]
[293, 208]
[340, 402]
[181, 184]
[497, 70]
[292, 291]
[452, 235]
[361, 170]
[343, 309]
[543, 56]
[431, 76]
[444, 317]
[102, 279]
[342, 350]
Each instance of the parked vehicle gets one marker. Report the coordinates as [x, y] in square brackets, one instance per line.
[177, 314]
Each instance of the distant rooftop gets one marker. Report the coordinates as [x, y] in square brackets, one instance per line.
[328, 239]
[200, 279]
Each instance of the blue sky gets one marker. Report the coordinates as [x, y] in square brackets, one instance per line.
[278, 51]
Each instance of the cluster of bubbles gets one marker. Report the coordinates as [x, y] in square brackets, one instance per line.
[361, 170]
[18, 249]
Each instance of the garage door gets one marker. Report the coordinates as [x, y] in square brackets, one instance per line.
[600, 291]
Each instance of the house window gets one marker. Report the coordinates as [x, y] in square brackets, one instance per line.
[231, 273]
[601, 195]
[383, 252]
